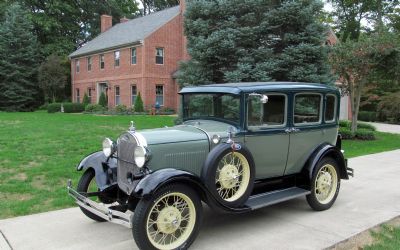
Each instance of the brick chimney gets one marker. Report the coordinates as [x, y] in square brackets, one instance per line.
[182, 3]
[185, 53]
[123, 20]
[106, 22]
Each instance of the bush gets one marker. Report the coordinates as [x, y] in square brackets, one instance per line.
[43, 107]
[366, 126]
[70, 107]
[389, 108]
[139, 104]
[54, 107]
[121, 108]
[103, 100]
[345, 133]
[345, 124]
[94, 108]
[364, 134]
[85, 100]
[368, 116]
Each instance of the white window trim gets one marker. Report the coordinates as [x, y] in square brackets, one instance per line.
[163, 55]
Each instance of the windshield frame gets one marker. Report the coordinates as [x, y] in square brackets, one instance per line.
[237, 124]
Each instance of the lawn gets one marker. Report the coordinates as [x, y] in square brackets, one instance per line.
[39, 152]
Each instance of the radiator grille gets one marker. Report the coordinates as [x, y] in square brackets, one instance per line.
[126, 165]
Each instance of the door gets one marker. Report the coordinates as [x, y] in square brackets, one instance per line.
[266, 137]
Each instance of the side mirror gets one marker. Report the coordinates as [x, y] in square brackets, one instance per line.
[263, 98]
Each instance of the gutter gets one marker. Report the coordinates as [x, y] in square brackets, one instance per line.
[136, 43]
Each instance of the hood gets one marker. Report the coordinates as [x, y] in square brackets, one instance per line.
[189, 131]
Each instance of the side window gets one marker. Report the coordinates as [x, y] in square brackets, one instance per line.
[330, 111]
[307, 109]
[265, 115]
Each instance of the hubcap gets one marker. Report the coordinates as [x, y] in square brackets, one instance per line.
[326, 184]
[171, 221]
[233, 176]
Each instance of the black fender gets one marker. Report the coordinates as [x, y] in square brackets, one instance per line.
[155, 180]
[98, 162]
[325, 150]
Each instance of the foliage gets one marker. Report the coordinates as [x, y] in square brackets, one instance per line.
[19, 56]
[150, 6]
[365, 131]
[94, 108]
[387, 238]
[367, 116]
[103, 100]
[389, 108]
[85, 100]
[52, 78]
[365, 134]
[33, 182]
[139, 104]
[254, 40]
[70, 107]
[54, 107]
[346, 133]
[121, 108]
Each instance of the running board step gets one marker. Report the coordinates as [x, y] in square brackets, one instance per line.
[270, 198]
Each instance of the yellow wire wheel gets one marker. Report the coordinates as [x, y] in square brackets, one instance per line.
[169, 221]
[325, 185]
[232, 176]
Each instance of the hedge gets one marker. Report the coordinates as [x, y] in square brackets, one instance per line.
[73, 107]
[54, 107]
[368, 116]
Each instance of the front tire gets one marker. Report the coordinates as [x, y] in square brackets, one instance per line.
[87, 184]
[170, 219]
[325, 185]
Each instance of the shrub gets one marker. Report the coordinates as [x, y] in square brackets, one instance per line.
[344, 124]
[139, 104]
[54, 107]
[103, 100]
[121, 108]
[345, 133]
[85, 100]
[43, 107]
[366, 126]
[70, 107]
[389, 108]
[364, 134]
[368, 116]
[94, 108]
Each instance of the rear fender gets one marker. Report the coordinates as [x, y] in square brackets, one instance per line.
[98, 162]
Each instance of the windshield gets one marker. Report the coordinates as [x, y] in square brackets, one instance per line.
[211, 106]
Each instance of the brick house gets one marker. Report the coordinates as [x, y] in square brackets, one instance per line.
[138, 55]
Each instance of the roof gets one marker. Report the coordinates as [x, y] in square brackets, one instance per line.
[248, 87]
[128, 33]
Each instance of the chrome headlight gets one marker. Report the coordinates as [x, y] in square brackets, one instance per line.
[108, 147]
[140, 156]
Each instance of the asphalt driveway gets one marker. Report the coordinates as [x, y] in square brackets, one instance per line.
[372, 197]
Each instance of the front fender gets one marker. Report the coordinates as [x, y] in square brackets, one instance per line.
[326, 150]
[96, 161]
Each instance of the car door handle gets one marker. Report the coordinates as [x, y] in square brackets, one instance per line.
[295, 130]
[291, 130]
[288, 131]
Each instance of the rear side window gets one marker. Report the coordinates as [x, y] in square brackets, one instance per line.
[330, 111]
[307, 109]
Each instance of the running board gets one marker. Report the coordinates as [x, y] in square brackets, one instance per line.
[273, 197]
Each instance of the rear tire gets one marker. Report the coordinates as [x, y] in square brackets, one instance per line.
[169, 219]
[83, 187]
[325, 185]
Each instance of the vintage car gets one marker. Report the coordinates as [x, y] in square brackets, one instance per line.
[240, 147]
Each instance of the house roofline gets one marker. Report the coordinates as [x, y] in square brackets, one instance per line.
[140, 42]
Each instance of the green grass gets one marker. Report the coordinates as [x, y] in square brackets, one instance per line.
[39, 153]
[388, 238]
[383, 142]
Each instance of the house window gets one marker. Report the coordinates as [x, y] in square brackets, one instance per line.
[160, 95]
[133, 94]
[116, 58]
[77, 65]
[101, 61]
[159, 55]
[133, 55]
[78, 97]
[89, 63]
[117, 96]
[89, 93]
[330, 109]
[307, 109]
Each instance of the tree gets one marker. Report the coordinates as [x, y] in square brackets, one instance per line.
[150, 6]
[52, 78]
[362, 62]
[85, 100]
[19, 56]
[254, 40]
[103, 100]
[139, 104]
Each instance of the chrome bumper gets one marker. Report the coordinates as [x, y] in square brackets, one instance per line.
[100, 209]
